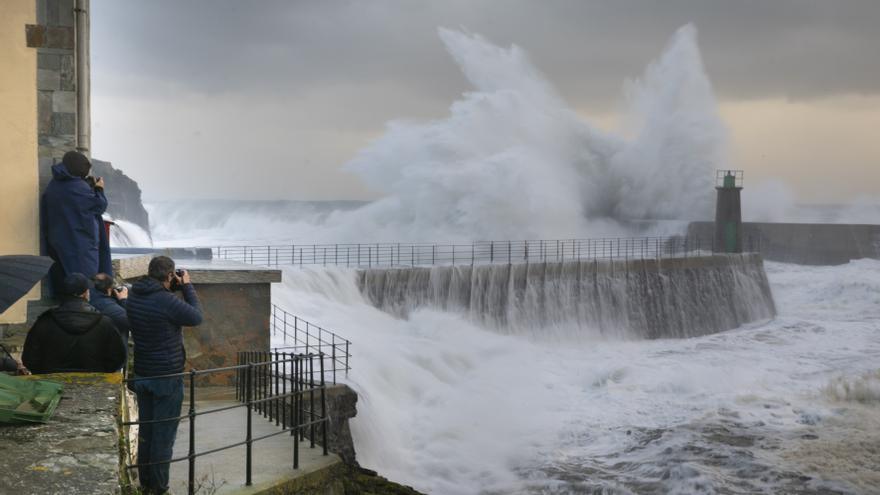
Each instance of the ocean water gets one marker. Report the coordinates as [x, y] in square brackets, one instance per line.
[790, 405]
[452, 406]
[449, 406]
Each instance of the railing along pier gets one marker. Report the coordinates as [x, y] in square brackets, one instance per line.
[287, 384]
[299, 336]
[372, 255]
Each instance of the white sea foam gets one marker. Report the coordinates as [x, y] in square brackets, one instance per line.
[451, 407]
[125, 234]
[862, 388]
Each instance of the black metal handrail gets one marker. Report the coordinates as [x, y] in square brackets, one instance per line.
[301, 336]
[478, 252]
[262, 380]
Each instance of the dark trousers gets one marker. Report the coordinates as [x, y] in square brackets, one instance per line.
[157, 399]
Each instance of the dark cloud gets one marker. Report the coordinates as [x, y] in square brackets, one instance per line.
[269, 98]
[752, 48]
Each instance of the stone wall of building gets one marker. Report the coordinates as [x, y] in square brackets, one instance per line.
[236, 317]
[236, 303]
[54, 38]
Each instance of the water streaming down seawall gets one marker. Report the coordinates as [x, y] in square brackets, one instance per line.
[652, 298]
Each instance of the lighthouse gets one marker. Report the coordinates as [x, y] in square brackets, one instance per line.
[728, 211]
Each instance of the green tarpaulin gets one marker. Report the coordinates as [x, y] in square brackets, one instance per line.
[27, 401]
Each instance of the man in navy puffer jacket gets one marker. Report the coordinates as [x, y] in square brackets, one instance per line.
[156, 316]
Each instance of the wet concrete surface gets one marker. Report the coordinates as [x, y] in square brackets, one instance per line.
[77, 451]
[224, 472]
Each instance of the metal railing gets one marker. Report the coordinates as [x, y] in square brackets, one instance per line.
[286, 383]
[729, 178]
[301, 336]
[479, 252]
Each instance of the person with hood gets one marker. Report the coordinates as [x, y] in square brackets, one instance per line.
[156, 316]
[74, 336]
[73, 231]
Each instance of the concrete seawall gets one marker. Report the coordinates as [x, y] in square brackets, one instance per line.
[805, 243]
[674, 297]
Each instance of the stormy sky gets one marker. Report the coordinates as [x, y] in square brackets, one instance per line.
[268, 99]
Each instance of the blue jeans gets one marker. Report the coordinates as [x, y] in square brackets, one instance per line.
[157, 399]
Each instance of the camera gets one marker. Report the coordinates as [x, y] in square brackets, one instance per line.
[92, 181]
[177, 282]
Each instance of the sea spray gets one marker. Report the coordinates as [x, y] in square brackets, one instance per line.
[862, 388]
[512, 160]
[126, 234]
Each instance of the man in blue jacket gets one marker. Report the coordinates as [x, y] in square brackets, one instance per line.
[111, 302]
[71, 211]
[156, 316]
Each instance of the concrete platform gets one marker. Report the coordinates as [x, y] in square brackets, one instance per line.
[77, 451]
[202, 271]
[228, 272]
[130, 266]
[224, 472]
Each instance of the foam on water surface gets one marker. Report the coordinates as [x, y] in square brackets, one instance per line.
[453, 407]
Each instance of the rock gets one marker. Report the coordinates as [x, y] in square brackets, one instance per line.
[123, 195]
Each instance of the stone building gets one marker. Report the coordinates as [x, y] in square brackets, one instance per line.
[63, 118]
[45, 103]
[19, 189]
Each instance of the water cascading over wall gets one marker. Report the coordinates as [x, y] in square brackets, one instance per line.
[676, 297]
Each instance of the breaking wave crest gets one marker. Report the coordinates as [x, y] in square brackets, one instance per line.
[862, 388]
[512, 160]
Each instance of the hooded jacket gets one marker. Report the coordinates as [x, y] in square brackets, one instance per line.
[71, 216]
[73, 337]
[156, 316]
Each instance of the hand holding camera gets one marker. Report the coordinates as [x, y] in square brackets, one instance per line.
[95, 182]
[179, 279]
[121, 292]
